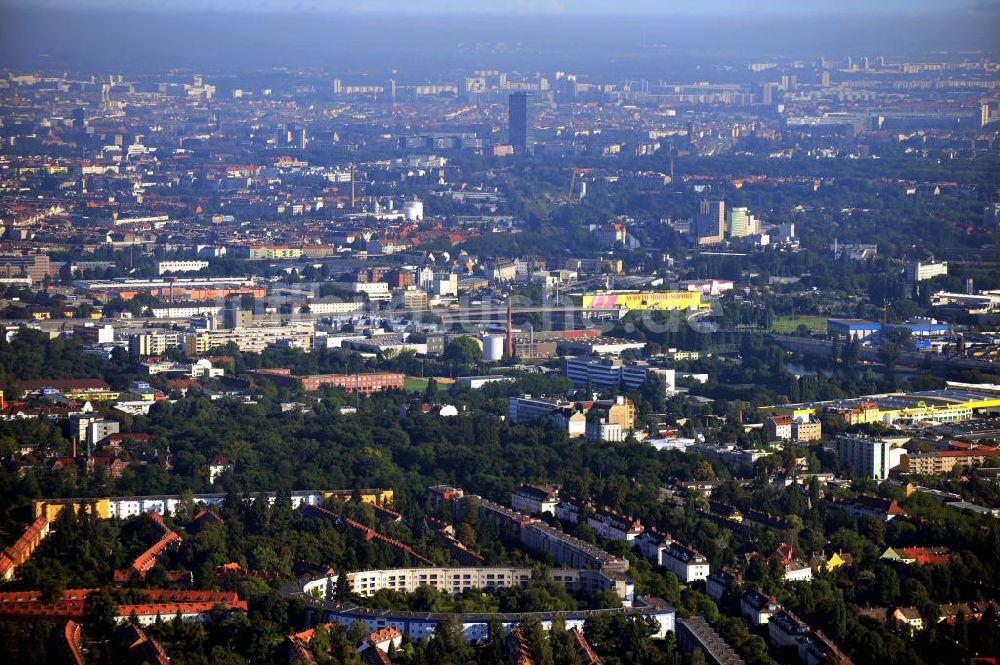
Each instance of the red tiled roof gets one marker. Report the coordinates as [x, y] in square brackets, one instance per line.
[784, 553]
[71, 643]
[141, 648]
[142, 563]
[384, 635]
[366, 532]
[237, 570]
[18, 552]
[925, 555]
[981, 451]
[168, 610]
[584, 650]
[208, 516]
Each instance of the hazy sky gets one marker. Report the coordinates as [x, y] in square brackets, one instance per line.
[422, 38]
[530, 7]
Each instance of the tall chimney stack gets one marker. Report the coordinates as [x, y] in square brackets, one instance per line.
[510, 330]
[74, 447]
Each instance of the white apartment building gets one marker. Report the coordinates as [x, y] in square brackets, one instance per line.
[798, 571]
[164, 267]
[154, 342]
[535, 500]
[572, 420]
[652, 544]
[185, 310]
[869, 458]
[252, 339]
[758, 608]
[374, 290]
[335, 306]
[445, 286]
[601, 431]
[606, 523]
[687, 564]
[918, 271]
[612, 526]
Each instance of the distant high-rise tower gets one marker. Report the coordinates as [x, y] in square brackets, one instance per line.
[742, 223]
[769, 93]
[825, 79]
[988, 112]
[521, 116]
[710, 226]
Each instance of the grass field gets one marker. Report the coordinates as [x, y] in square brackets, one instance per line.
[786, 324]
[414, 384]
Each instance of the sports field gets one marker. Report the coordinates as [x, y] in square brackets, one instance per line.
[787, 325]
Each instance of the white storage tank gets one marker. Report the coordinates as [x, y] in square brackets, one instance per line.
[493, 347]
[413, 211]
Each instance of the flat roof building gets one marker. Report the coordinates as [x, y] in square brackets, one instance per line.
[852, 328]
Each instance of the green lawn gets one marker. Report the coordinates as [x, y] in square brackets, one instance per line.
[786, 324]
[414, 384]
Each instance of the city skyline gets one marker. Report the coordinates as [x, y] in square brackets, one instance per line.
[362, 332]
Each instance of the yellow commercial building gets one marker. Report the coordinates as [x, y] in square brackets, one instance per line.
[952, 404]
[50, 508]
[129, 506]
[663, 300]
[93, 395]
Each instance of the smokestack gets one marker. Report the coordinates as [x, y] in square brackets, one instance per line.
[353, 201]
[510, 331]
[74, 447]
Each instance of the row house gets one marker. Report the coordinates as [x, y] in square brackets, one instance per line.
[366, 533]
[535, 499]
[142, 564]
[758, 608]
[719, 582]
[869, 506]
[192, 606]
[687, 564]
[610, 525]
[796, 570]
[16, 554]
[787, 631]
[652, 544]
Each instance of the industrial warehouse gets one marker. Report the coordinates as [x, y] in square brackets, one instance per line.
[956, 402]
